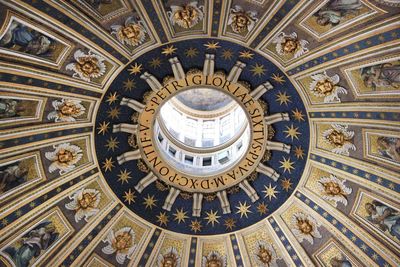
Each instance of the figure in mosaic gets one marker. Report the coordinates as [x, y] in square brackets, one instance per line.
[10, 108]
[64, 157]
[213, 259]
[327, 87]
[384, 217]
[340, 138]
[12, 176]
[131, 33]
[389, 147]
[23, 39]
[290, 45]
[333, 189]
[169, 258]
[32, 244]
[97, 3]
[66, 110]
[334, 11]
[381, 75]
[340, 262]
[87, 66]
[265, 255]
[305, 227]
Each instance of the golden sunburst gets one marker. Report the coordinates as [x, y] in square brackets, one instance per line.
[258, 70]
[169, 50]
[135, 69]
[212, 45]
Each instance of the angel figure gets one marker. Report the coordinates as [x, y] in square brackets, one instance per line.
[340, 138]
[290, 45]
[186, 16]
[327, 87]
[240, 20]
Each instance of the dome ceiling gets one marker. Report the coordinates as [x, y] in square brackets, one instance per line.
[82, 179]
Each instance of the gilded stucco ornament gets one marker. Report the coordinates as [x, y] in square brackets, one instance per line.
[333, 189]
[265, 254]
[186, 16]
[340, 138]
[290, 45]
[66, 110]
[326, 87]
[85, 203]
[213, 259]
[305, 227]
[169, 258]
[87, 66]
[132, 33]
[241, 20]
[64, 157]
[122, 243]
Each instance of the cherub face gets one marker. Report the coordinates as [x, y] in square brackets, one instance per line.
[289, 46]
[214, 263]
[265, 256]
[187, 14]
[122, 241]
[64, 156]
[131, 31]
[337, 138]
[240, 22]
[332, 188]
[168, 262]
[86, 201]
[88, 66]
[324, 87]
[69, 109]
[305, 226]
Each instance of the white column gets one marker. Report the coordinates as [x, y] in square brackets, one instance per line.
[177, 69]
[278, 146]
[249, 190]
[125, 128]
[197, 201]
[223, 199]
[268, 171]
[261, 89]
[132, 103]
[152, 81]
[236, 71]
[170, 199]
[208, 66]
[128, 156]
[145, 181]
[277, 117]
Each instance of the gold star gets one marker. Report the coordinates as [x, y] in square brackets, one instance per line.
[112, 143]
[212, 217]
[243, 209]
[230, 223]
[191, 52]
[108, 164]
[246, 54]
[286, 184]
[292, 132]
[195, 226]
[129, 196]
[299, 152]
[112, 98]
[129, 85]
[227, 54]
[4, 222]
[258, 70]
[278, 78]
[135, 69]
[169, 50]
[103, 127]
[114, 113]
[149, 202]
[298, 115]
[270, 191]
[162, 219]
[283, 98]
[180, 216]
[212, 45]
[286, 165]
[155, 63]
[262, 208]
[124, 176]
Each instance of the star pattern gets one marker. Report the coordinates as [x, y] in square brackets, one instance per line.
[278, 78]
[270, 192]
[162, 218]
[283, 98]
[180, 216]
[195, 226]
[103, 128]
[112, 144]
[286, 165]
[258, 70]
[112, 97]
[129, 85]
[286, 184]
[292, 132]
[108, 164]
[230, 223]
[212, 45]
[124, 176]
[149, 202]
[155, 63]
[129, 196]
[169, 50]
[191, 52]
[227, 54]
[212, 217]
[135, 69]
[299, 152]
[114, 113]
[262, 208]
[243, 209]
[246, 54]
[298, 115]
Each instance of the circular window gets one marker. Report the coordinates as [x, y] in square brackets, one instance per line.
[202, 131]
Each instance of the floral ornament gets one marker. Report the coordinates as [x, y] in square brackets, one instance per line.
[84, 203]
[214, 259]
[241, 20]
[305, 227]
[66, 110]
[121, 243]
[87, 66]
[64, 157]
[265, 255]
[290, 45]
[131, 33]
[333, 189]
[340, 138]
[186, 16]
[169, 258]
[326, 87]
